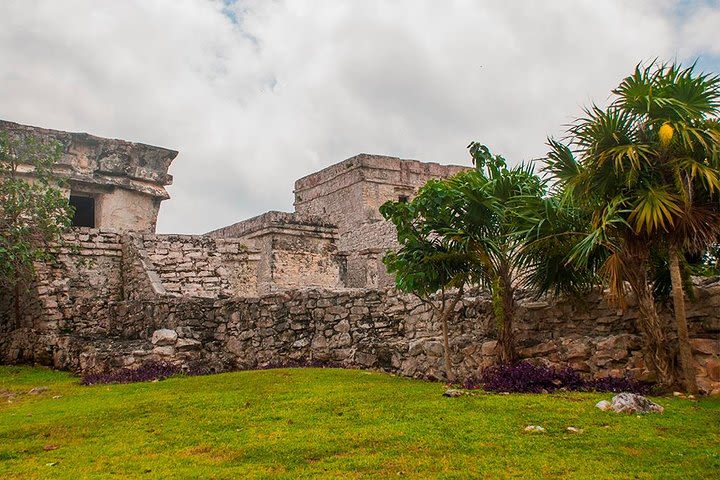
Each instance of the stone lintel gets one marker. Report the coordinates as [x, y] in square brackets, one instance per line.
[278, 222]
[105, 162]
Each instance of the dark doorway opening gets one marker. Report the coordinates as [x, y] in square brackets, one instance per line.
[84, 211]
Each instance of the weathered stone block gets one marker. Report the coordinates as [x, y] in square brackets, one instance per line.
[343, 326]
[489, 348]
[164, 351]
[365, 359]
[188, 344]
[433, 348]
[164, 336]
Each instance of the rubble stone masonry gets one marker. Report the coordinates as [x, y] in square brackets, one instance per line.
[283, 288]
[123, 309]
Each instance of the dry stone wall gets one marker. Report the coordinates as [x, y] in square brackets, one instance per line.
[360, 328]
[87, 268]
[97, 272]
[350, 193]
[295, 250]
[199, 266]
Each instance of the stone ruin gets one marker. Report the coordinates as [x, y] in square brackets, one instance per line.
[112, 184]
[307, 287]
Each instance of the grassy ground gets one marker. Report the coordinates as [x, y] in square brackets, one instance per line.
[310, 423]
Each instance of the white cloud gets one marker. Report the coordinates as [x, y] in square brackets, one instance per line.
[294, 86]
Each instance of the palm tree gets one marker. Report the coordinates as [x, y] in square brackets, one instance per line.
[648, 169]
[487, 226]
[493, 227]
[496, 223]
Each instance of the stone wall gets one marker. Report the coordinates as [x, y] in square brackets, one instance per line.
[350, 193]
[295, 250]
[95, 268]
[87, 268]
[377, 329]
[200, 266]
[126, 180]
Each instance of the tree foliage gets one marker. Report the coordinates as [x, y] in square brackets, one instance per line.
[484, 228]
[647, 170]
[34, 210]
[428, 260]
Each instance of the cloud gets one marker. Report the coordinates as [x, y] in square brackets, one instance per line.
[255, 94]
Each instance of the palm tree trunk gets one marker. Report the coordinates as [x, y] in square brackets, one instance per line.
[686, 358]
[656, 351]
[507, 336]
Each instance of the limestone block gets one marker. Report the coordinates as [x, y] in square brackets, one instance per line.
[187, 344]
[235, 346]
[164, 336]
[319, 342]
[164, 351]
[489, 348]
[365, 359]
[302, 343]
[580, 366]
[343, 326]
[434, 349]
[632, 403]
[712, 369]
[577, 349]
[341, 340]
[538, 350]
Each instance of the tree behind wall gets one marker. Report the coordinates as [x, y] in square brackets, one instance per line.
[482, 228]
[34, 210]
[429, 264]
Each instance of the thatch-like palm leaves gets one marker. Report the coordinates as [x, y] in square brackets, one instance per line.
[648, 171]
[481, 228]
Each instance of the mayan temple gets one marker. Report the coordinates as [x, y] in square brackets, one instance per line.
[280, 288]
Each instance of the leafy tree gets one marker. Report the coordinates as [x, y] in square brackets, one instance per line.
[647, 169]
[523, 234]
[34, 210]
[481, 228]
[427, 263]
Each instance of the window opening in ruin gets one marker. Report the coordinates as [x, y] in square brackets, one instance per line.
[403, 198]
[84, 215]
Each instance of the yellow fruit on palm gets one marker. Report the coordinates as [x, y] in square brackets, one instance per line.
[666, 133]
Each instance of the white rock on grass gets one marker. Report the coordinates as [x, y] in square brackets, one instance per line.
[534, 429]
[632, 403]
[604, 405]
[452, 393]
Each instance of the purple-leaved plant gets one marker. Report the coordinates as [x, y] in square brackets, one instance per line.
[524, 377]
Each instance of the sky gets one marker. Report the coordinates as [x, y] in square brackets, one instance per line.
[256, 94]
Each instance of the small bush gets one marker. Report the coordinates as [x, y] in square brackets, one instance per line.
[524, 377]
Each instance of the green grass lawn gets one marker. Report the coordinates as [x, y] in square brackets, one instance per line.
[327, 423]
